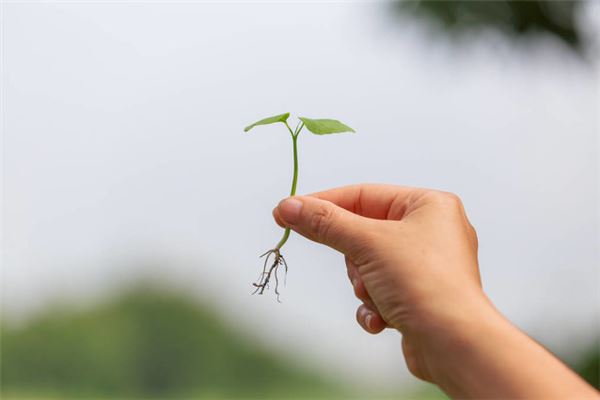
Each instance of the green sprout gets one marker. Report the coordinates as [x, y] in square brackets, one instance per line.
[318, 127]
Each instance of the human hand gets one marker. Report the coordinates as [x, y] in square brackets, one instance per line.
[411, 255]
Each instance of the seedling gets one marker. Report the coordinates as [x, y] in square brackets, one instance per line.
[318, 127]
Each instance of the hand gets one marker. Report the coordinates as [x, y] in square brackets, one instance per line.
[411, 256]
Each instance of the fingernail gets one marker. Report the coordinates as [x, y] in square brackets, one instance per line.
[368, 319]
[289, 210]
[354, 282]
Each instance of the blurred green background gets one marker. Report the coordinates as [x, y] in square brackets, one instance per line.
[157, 343]
[154, 340]
[153, 343]
[517, 20]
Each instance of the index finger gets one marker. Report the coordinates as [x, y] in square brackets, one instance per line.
[372, 200]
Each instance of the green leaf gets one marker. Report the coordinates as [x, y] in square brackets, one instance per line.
[325, 126]
[267, 121]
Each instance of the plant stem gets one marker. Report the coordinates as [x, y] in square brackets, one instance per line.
[295, 134]
[295, 179]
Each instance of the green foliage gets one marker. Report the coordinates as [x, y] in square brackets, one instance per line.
[325, 126]
[146, 344]
[268, 121]
[515, 19]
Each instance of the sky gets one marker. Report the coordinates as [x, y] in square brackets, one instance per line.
[124, 158]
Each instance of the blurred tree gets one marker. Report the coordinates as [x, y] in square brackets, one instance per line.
[516, 19]
[148, 343]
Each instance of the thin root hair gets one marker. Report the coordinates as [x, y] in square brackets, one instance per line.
[265, 276]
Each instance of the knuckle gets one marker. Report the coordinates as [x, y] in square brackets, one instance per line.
[474, 235]
[448, 199]
[452, 198]
[321, 221]
[360, 292]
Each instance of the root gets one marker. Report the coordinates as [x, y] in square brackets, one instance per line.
[266, 274]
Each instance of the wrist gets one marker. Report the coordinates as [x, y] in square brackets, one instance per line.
[454, 349]
[450, 317]
[475, 352]
[445, 337]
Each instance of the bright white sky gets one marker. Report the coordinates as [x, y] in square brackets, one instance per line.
[124, 156]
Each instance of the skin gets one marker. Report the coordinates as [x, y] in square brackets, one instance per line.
[411, 256]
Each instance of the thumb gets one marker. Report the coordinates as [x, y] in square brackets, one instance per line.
[324, 222]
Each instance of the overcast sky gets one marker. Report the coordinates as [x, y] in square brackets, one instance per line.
[124, 156]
